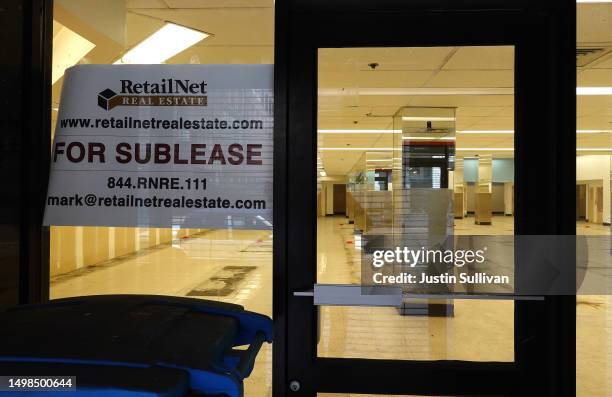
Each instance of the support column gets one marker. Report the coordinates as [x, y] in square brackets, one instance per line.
[508, 198]
[459, 192]
[483, 213]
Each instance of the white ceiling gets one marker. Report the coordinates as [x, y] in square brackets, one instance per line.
[243, 32]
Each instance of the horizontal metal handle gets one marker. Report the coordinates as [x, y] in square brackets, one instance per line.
[352, 295]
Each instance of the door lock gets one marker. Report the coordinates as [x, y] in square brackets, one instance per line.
[294, 385]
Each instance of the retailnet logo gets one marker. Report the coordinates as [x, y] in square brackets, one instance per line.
[166, 92]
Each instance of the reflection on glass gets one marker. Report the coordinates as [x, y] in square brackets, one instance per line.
[411, 176]
[220, 264]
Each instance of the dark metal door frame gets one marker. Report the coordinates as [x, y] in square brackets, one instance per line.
[543, 33]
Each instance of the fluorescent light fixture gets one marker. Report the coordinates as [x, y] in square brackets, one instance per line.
[485, 149]
[593, 90]
[486, 132]
[168, 41]
[359, 131]
[419, 91]
[512, 132]
[415, 91]
[418, 118]
[356, 149]
[425, 138]
[323, 173]
[68, 49]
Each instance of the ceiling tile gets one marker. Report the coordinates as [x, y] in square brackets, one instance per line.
[482, 58]
[473, 79]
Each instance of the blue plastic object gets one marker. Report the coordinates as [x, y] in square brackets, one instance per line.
[134, 345]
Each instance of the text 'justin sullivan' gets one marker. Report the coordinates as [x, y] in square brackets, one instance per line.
[444, 278]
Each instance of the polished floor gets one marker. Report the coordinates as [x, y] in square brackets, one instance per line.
[236, 266]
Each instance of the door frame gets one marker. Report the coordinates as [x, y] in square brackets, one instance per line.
[544, 35]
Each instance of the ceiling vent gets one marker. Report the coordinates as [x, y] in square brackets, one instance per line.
[587, 54]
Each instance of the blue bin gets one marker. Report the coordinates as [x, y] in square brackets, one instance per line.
[134, 345]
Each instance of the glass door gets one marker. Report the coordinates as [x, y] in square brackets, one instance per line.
[432, 119]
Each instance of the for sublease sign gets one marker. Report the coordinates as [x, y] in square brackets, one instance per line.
[162, 146]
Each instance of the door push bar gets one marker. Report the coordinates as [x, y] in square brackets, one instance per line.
[357, 295]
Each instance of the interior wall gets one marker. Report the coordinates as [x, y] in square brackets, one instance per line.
[327, 191]
[75, 247]
[595, 169]
[329, 198]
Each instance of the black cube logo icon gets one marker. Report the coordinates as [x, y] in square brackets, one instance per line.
[105, 99]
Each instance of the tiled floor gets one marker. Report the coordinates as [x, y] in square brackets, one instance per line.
[241, 262]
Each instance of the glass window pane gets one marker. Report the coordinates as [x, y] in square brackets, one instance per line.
[593, 193]
[398, 129]
[228, 264]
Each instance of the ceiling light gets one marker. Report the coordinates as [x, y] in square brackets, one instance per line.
[419, 91]
[416, 118]
[359, 131]
[415, 91]
[593, 90]
[425, 138]
[168, 41]
[323, 173]
[512, 132]
[485, 149]
[486, 132]
[353, 149]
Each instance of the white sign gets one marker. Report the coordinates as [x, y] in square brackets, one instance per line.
[162, 146]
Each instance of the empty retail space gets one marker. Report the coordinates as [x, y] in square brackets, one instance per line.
[432, 128]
